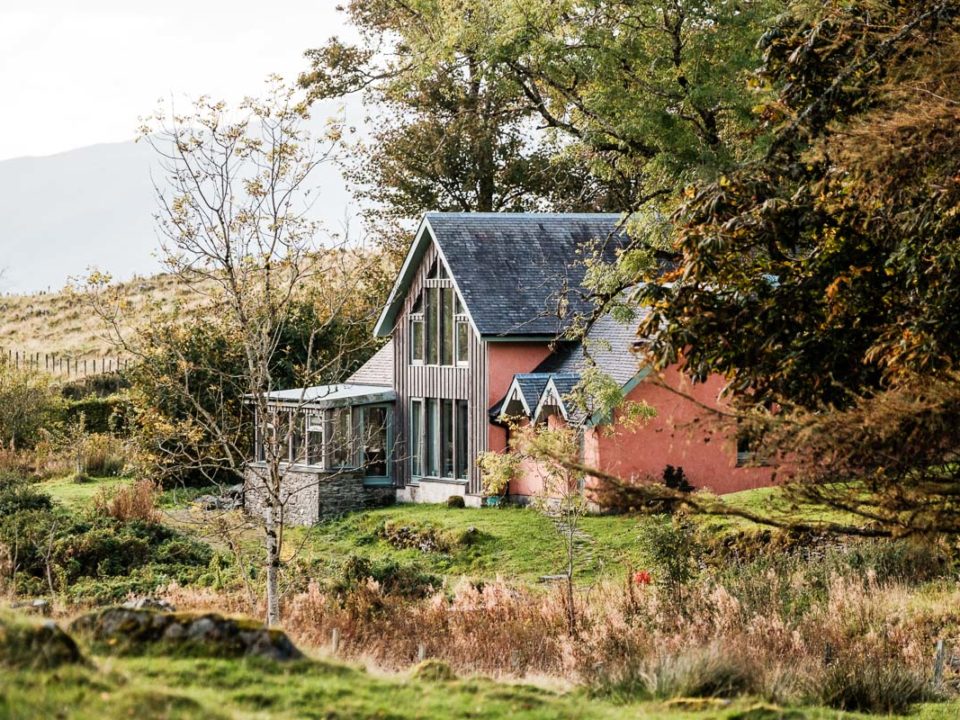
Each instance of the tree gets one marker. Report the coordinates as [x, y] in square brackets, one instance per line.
[235, 232]
[822, 278]
[27, 403]
[553, 451]
[828, 268]
[454, 131]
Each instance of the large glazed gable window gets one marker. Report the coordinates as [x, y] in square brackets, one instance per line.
[439, 432]
[439, 330]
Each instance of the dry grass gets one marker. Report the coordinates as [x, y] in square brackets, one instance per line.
[854, 645]
[137, 501]
[59, 323]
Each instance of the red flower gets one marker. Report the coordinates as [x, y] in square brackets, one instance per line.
[642, 577]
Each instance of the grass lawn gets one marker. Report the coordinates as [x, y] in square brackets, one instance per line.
[78, 496]
[148, 688]
[519, 544]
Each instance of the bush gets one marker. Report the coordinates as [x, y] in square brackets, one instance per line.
[406, 581]
[101, 414]
[871, 684]
[17, 495]
[455, 501]
[131, 502]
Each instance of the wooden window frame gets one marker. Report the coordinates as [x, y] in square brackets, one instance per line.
[417, 456]
[431, 440]
[358, 423]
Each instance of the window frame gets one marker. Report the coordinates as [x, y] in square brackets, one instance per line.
[359, 426]
[430, 444]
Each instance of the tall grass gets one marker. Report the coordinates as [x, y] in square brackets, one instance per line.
[137, 501]
[793, 631]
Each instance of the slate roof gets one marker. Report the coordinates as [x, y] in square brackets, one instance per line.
[609, 343]
[378, 370]
[512, 269]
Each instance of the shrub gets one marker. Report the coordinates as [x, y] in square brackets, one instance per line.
[869, 683]
[17, 495]
[407, 581]
[101, 414]
[455, 501]
[131, 502]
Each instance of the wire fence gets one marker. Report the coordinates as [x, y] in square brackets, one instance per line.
[66, 364]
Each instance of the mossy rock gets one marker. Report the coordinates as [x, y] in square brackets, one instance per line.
[31, 646]
[433, 670]
[128, 631]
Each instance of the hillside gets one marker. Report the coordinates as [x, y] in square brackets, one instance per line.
[55, 322]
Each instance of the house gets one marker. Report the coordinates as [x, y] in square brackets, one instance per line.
[474, 333]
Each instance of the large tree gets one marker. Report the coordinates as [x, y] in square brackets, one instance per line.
[823, 278]
[830, 266]
[454, 129]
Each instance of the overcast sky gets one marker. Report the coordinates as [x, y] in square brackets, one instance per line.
[79, 72]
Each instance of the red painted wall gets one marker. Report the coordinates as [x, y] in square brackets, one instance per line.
[683, 434]
[504, 360]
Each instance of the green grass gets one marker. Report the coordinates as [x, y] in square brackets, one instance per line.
[148, 688]
[79, 496]
[519, 544]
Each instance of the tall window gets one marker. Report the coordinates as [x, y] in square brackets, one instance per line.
[439, 437]
[463, 334]
[416, 438]
[432, 314]
[371, 425]
[297, 454]
[431, 439]
[339, 437]
[416, 331]
[436, 335]
[462, 441]
[315, 438]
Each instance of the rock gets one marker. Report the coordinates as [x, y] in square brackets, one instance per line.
[38, 606]
[131, 631]
[433, 670]
[24, 645]
[218, 502]
[148, 603]
[234, 491]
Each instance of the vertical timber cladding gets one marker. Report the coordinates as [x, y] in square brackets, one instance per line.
[456, 383]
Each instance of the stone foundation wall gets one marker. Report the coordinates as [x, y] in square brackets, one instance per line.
[312, 496]
[436, 491]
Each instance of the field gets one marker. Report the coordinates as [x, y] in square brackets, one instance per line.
[469, 590]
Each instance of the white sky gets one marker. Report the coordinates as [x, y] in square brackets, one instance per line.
[79, 72]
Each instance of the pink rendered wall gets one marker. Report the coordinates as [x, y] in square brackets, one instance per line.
[504, 360]
[683, 434]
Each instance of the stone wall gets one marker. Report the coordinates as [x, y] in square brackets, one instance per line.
[314, 495]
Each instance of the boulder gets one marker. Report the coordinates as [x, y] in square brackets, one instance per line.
[26, 645]
[149, 603]
[141, 631]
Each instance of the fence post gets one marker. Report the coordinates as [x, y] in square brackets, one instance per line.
[939, 659]
[335, 640]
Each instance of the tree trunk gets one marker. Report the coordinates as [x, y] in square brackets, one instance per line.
[572, 610]
[273, 565]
